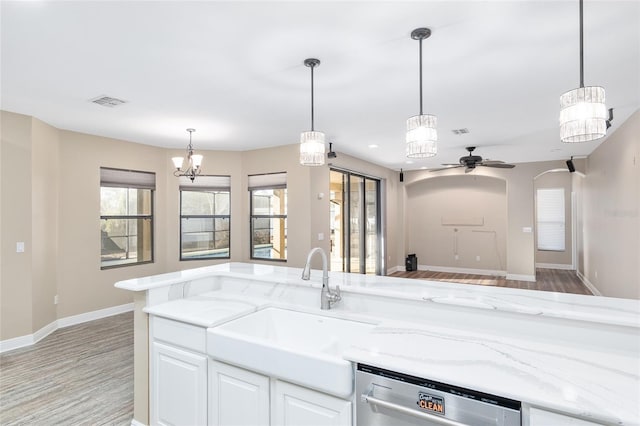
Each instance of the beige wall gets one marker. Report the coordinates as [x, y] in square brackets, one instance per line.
[82, 286]
[611, 213]
[440, 216]
[16, 274]
[557, 179]
[520, 249]
[44, 220]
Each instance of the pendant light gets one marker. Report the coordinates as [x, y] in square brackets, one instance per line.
[193, 162]
[422, 135]
[583, 114]
[312, 142]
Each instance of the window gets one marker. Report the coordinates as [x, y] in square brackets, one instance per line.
[550, 212]
[205, 218]
[268, 216]
[126, 217]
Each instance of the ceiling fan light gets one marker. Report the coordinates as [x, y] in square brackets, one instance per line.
[312, 145]
[422, 136]
[583, 114]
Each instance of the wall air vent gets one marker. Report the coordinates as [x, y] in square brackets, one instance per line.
[460, 131]
[108, 101]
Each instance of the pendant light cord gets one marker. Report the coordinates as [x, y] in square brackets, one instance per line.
[420, 47]
[581, 49]
[312, 67]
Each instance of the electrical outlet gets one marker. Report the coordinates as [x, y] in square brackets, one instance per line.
[55, 299]
[477, 258]
[456, 257]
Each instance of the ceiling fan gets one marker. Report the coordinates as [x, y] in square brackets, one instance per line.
[470, 162]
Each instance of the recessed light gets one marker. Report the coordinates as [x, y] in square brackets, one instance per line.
[409, 162]
[372, 146]
[423, 168]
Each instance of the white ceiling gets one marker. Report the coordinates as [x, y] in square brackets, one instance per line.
[234, 72]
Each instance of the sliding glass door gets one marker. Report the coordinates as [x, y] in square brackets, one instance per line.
[355, 223]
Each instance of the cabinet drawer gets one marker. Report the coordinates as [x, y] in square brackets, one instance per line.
[179, 334]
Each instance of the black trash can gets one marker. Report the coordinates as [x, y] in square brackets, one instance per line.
[411, 263]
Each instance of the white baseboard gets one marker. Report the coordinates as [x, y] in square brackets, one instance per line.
[454, 270]
[30, 339]
[15, 343]
[94, 315]
[521, 277]
[555, 266]
[45, 331]
[134, 422]
[592, 288]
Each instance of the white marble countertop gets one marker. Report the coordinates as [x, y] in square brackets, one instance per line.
[605, 310]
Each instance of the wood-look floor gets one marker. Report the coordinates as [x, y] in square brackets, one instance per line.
[78, 375]
[557, 280]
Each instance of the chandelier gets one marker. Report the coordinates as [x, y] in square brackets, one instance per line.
[583, 114]
[312, 142]
[422, 135]
[193, 162]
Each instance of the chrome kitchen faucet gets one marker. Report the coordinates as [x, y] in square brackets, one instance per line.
[327, 297]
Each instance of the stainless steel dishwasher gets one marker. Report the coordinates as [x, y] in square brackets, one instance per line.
[387, 398]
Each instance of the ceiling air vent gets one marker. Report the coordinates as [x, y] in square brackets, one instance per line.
[460, 131]
[108, 101]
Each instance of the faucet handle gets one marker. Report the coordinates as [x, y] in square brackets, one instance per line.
[335, 296]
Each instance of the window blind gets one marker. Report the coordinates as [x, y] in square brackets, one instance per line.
[120, 178]
[550, 213]
[206, 183]
[270, 180]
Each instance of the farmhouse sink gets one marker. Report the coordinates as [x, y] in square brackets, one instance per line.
[299, 347]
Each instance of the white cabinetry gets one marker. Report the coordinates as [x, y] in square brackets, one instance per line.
[297, 406]
[237, 397]
[244, 398]
[178, 375]
[539, 417]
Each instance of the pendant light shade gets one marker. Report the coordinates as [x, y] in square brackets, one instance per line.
[312, 144]
[422, 134]
[583, 113]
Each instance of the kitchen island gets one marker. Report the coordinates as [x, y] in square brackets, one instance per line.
[568, 359]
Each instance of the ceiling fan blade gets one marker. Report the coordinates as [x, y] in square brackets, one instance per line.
[446, 168]
[485, 162]
[469, 169]
[451, 164]
[499, 165]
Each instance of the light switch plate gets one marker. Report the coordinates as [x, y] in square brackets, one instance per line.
[527, 229]
[20, 247]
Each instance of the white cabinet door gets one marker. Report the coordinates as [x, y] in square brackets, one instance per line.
[297, 406]
[545, 418]
[237, 397]
[178, 386]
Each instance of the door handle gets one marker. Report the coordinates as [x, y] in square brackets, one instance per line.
[369, 399]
